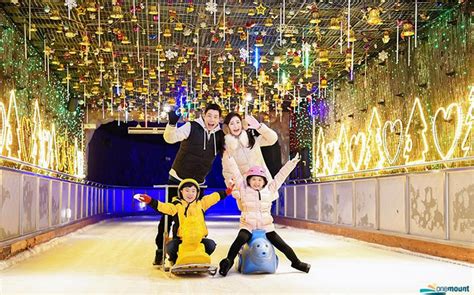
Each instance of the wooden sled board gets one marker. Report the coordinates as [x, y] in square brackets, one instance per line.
[185, 269]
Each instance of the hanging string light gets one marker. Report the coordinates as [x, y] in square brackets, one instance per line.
[256, 62]
[29, 20]
[25, 45]
[210, 67]
[416, 22]
[223, 13]
[398, 41]
[348, 23]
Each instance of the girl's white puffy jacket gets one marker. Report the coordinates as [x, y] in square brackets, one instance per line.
[256, 205]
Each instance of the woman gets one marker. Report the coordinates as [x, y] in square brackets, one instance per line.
[243, 146]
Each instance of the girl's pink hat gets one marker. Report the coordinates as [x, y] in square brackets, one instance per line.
[257, 171]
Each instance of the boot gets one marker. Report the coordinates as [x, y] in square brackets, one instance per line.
[224, 266]
[158, 257]
[301, 266]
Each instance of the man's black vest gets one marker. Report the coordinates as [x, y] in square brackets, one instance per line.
[194, 158]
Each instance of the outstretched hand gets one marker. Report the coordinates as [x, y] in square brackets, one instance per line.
[296, 158]
[230, 187]
[173, 118]
[142, 198]
[252, 122]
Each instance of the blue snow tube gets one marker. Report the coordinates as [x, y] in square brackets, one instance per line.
[258, 255]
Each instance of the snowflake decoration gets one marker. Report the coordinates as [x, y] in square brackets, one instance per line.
[204, 87]
[263, 33]
[244, 54]
[383, 55]
[221, 34]
[230, 31]
[203, 25]
[306, 47]
[211, 6]
[283, 41]
[70, 4]
[187, 32]
[170, 54]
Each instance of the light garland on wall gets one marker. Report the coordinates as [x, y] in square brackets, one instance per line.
[359, 139]
[466, 145]
[392, 127]
[3, 117]
[9, 133]
[331, 158]
[453, 108]
[343, 147]
[408, 136]
[44, 144]
[374, 138]
[320, 163]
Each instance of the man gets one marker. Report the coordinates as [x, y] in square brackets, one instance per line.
[201, 140]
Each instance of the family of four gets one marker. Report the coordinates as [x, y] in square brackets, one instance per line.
[246, 176]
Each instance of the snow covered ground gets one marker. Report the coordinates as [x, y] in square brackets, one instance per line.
[114, 257]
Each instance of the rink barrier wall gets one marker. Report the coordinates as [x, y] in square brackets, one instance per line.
[36, 208]
[428, 212]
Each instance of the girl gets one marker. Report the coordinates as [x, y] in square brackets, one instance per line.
[243, 146]
[256, 195]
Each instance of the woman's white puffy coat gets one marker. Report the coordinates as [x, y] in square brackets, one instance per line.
[244, 156]
[256, 205]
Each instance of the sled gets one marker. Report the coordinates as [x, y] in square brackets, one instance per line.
[193, 269]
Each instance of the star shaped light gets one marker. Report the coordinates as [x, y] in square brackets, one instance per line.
[260, 9]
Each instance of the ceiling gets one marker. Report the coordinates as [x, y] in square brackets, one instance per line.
[96, 61]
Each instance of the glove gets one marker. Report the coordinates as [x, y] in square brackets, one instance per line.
[229, 190]
[173, 118]
[142, 198]
[252, 122]
[297, 158]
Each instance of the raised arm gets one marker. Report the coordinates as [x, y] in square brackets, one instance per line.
[230, 169]
[276, 183]
[175, 134]
[166, 208]
[268, 136]
[210, 200]
[227, 170]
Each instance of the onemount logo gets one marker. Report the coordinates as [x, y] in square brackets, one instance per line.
[432, 289]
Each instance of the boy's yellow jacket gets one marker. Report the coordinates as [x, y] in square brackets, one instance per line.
[194, 210]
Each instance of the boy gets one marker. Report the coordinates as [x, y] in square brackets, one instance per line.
[187, 207]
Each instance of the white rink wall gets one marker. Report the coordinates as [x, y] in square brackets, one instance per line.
[437, 205]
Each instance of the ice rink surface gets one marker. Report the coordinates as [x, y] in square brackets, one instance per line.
[115, 255]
